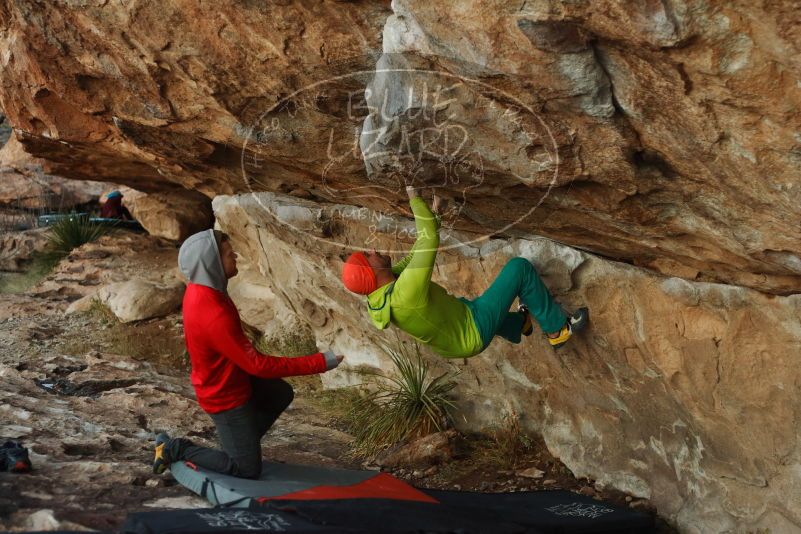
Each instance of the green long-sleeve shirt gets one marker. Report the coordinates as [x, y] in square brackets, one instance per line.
[420, 307]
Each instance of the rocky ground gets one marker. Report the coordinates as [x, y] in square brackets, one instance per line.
[86, 394]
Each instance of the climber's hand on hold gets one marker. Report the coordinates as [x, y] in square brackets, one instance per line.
[439, 204]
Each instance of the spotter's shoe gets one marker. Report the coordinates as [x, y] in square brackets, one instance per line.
[575, 323]
[160, 463]
[528, 324]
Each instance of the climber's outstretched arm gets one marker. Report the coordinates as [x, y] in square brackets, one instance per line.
[398, 267]
[416, 269]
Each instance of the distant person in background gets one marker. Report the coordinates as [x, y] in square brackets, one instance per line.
[113, 208]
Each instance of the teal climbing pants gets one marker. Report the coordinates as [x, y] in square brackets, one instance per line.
[517, 279]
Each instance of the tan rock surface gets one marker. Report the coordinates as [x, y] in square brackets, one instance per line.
[675, 123]
[684, 393]
[18, 248]
[91, 441]
[25, 185]
[114, 258]
[174, 216]
[135, 300]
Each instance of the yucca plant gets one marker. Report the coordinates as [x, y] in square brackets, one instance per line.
[406, 404]
[73, 231]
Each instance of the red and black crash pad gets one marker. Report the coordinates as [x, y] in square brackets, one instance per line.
[293, 482]
[301, 499]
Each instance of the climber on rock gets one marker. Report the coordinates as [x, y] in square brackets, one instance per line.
[240, 388]
[404, 295]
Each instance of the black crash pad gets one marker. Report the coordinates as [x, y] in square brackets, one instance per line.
[302, 499]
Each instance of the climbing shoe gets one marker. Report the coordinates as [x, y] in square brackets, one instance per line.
[575, 323]
[528, 324]
[14, 458]
[160, 462]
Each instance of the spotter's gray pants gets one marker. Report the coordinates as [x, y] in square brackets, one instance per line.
[239, 431]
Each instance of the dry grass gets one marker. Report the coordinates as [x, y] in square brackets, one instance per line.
[156, 341]
[338, 404]
[101, 313]
[508, 443]
[298, 341]
[153, 342]
[306, 384]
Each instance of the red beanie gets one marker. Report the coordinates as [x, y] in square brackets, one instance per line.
[358, 275]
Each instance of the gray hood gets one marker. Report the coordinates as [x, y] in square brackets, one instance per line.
[199, 260]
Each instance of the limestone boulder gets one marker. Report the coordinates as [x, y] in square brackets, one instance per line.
[663, 134]
[174, 216]
[24, 184]
[136, 300]
[683, 393]
[117, 257]
[43, 520]
[18, 248]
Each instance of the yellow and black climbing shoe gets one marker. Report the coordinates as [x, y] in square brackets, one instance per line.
[575, 323]
[528, 324]
[160, 462]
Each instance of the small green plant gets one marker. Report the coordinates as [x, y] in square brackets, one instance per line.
[67, 233]
[73, 231]
[406, 404]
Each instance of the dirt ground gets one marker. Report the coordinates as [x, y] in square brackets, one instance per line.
[87, 394]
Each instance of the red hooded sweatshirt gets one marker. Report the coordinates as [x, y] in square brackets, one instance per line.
[223, 360]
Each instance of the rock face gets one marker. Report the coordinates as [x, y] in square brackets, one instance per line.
[681, 392]
[665, 134]
[25, 185]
